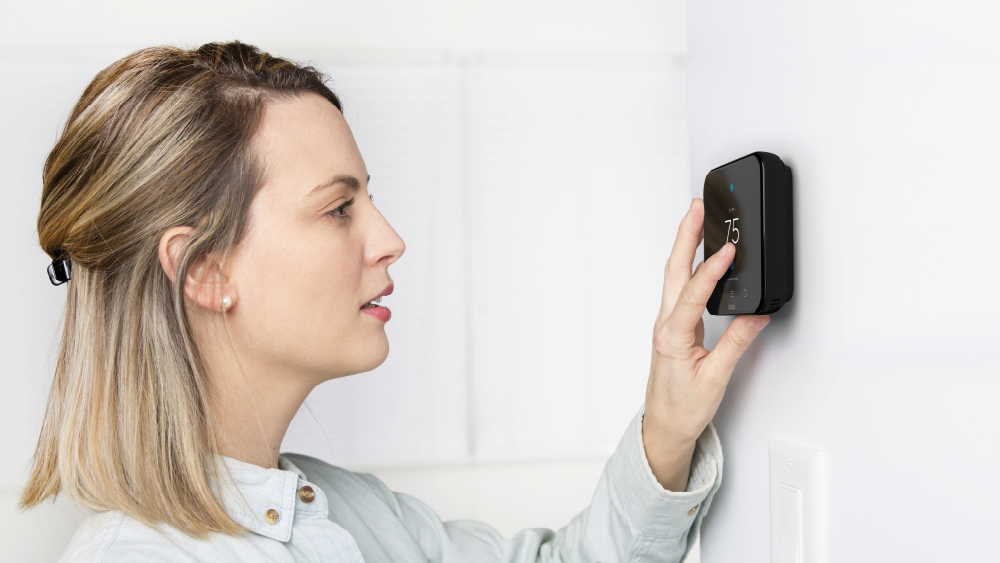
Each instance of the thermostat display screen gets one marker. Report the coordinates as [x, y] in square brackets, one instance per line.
[733, 213]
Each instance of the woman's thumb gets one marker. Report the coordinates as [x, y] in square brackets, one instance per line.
[737, 338]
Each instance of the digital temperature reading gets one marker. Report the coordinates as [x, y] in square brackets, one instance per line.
[733, 229]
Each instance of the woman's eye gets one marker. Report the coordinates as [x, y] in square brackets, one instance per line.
[340, 212]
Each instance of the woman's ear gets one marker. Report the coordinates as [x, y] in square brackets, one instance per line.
[206, 283]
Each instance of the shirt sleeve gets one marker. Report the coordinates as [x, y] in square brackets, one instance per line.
[631, 517]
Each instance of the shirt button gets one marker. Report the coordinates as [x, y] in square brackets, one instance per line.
[271, 516]
[691, 512]
[307, 494]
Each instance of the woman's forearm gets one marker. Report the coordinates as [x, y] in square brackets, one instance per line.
[668, 458]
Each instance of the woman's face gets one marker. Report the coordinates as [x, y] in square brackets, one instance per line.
[308, 263]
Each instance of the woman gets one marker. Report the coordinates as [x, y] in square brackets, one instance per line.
[209, 211]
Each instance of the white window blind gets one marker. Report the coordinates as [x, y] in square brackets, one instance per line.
[538, 204]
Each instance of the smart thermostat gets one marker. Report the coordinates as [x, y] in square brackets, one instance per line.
[749, 202]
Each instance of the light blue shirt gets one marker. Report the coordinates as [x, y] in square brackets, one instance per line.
[354, 517]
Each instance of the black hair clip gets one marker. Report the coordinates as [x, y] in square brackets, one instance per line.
[60, 270]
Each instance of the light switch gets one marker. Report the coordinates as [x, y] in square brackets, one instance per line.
[798, 503]
[790, 524]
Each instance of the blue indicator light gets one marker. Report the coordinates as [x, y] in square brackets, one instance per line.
[733, 265]
[730, 187]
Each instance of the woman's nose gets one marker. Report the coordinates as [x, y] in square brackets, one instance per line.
[385, 243]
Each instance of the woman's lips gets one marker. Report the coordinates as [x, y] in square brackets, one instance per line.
[381, 313]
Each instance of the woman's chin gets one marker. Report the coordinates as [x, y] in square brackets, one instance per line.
[380, 357]
[375, 355]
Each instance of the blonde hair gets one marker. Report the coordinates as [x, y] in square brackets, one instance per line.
[159, 139]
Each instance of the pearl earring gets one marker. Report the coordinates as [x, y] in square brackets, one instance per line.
[227, 302]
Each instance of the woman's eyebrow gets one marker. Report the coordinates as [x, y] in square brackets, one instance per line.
[350, 181]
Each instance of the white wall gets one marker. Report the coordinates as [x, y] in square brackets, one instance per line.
[595, 27]
[532, 154]
[886, 357]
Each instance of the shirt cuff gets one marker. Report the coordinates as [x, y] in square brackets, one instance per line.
[654, 510]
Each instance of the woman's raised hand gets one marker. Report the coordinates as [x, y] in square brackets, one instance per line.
[686, 381]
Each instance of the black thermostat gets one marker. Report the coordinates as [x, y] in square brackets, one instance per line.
[749, 202]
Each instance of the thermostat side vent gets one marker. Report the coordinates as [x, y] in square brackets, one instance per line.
[772, 306]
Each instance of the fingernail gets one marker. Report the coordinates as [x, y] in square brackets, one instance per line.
[758, 324]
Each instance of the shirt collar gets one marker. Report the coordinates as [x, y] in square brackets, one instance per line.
[254, 490]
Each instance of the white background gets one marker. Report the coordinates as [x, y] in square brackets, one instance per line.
[533, 156]
[886, 357]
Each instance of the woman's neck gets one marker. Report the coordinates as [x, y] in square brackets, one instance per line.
[252, 417]
[252, 404]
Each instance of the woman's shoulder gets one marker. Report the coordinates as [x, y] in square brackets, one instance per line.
[109, 536]
[114, 537]
[96, 534]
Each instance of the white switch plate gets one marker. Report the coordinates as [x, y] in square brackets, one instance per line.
[798, 503]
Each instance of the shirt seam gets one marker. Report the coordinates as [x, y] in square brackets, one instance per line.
[644, 544]
[107, 548]
[304, 534]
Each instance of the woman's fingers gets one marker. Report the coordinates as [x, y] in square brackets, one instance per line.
[678, 269]
[694, 295]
